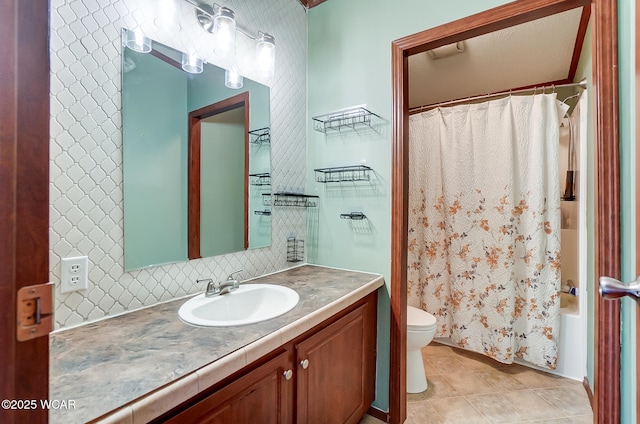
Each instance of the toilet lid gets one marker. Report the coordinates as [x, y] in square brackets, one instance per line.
[419, 319]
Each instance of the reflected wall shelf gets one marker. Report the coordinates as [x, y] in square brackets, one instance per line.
[349, 118]
[260, 179]
[284, 198]
[265, 212]
[261, 135]
[356, 216]
[343, 174]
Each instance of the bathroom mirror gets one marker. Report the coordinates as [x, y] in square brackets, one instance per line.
[157, 100]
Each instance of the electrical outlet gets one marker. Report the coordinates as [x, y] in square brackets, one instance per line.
[73, 272]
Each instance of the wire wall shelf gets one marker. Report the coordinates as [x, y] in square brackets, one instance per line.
[284, 198]
[349, 118]
[343, 174]
[356, 216]
[261, 135]
[265, 212]
[295, 249]
[261, 179]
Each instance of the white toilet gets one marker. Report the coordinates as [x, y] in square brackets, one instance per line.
[421, 327]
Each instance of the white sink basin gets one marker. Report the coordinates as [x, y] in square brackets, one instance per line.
[248, 304]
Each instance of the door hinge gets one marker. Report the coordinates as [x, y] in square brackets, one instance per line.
[34, 311]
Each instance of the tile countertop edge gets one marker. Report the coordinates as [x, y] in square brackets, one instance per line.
[159, 401]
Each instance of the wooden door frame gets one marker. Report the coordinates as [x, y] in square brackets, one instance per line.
[195, 118]
[606, 400]
[24, 196]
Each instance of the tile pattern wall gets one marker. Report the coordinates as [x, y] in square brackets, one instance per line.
[86, 215]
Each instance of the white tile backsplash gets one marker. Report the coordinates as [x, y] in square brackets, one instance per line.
[86, 159]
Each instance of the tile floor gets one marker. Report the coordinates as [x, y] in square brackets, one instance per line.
[466, 387]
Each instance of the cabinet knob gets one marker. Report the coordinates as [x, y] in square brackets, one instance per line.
[304, 363]
[288, 374]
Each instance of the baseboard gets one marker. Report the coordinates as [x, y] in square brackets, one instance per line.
[587, 387]
[378, 414]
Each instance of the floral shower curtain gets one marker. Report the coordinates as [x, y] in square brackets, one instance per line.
[484, 225]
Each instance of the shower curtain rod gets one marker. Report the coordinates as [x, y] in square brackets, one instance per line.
[582, 84]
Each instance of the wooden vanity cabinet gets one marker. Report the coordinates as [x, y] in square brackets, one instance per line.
[331, 378]
[262, 395]
[335, 382]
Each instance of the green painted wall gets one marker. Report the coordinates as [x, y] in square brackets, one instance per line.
[222, 183]
[154, 162]
[208, 88]
[350, 64]
[157, 98]
[626, 49]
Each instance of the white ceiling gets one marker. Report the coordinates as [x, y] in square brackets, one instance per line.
[524, 55]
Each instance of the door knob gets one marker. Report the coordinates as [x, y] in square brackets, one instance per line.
[610, 288]
[304, 364]
[288, 374]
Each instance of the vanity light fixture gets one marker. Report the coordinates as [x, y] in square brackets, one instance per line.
[192, 63]
[232, 79]
[136, 41]
[266, 54]
[224, 31]
[221, 22]
[167, 17]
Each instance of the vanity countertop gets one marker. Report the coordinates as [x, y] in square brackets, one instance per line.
[128, 365]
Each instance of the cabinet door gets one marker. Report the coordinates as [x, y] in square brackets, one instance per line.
[264, 395]
[338, 383]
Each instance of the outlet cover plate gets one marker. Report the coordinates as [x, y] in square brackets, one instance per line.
[73, 274]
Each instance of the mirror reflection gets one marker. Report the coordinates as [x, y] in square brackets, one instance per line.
[178, 206]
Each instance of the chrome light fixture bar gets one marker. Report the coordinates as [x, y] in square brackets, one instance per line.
[221, 22]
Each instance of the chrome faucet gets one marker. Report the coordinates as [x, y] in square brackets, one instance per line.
[231, 284]
[212, 288]
[215, 289]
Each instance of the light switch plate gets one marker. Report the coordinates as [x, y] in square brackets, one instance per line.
[73, 274]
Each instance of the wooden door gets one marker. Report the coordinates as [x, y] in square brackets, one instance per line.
[264, 395]
[336, 369]
[24, 199]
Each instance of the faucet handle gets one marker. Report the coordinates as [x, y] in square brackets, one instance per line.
[230, 277]
[212, 288]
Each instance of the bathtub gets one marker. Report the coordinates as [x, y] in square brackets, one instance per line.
[571, 355]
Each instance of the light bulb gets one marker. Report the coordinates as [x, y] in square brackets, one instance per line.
[137, 42]
[266, 54]
[191, 63]
[224, 30]
[167, 15]
[232, 79]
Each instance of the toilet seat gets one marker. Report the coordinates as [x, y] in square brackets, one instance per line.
[419, 320]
